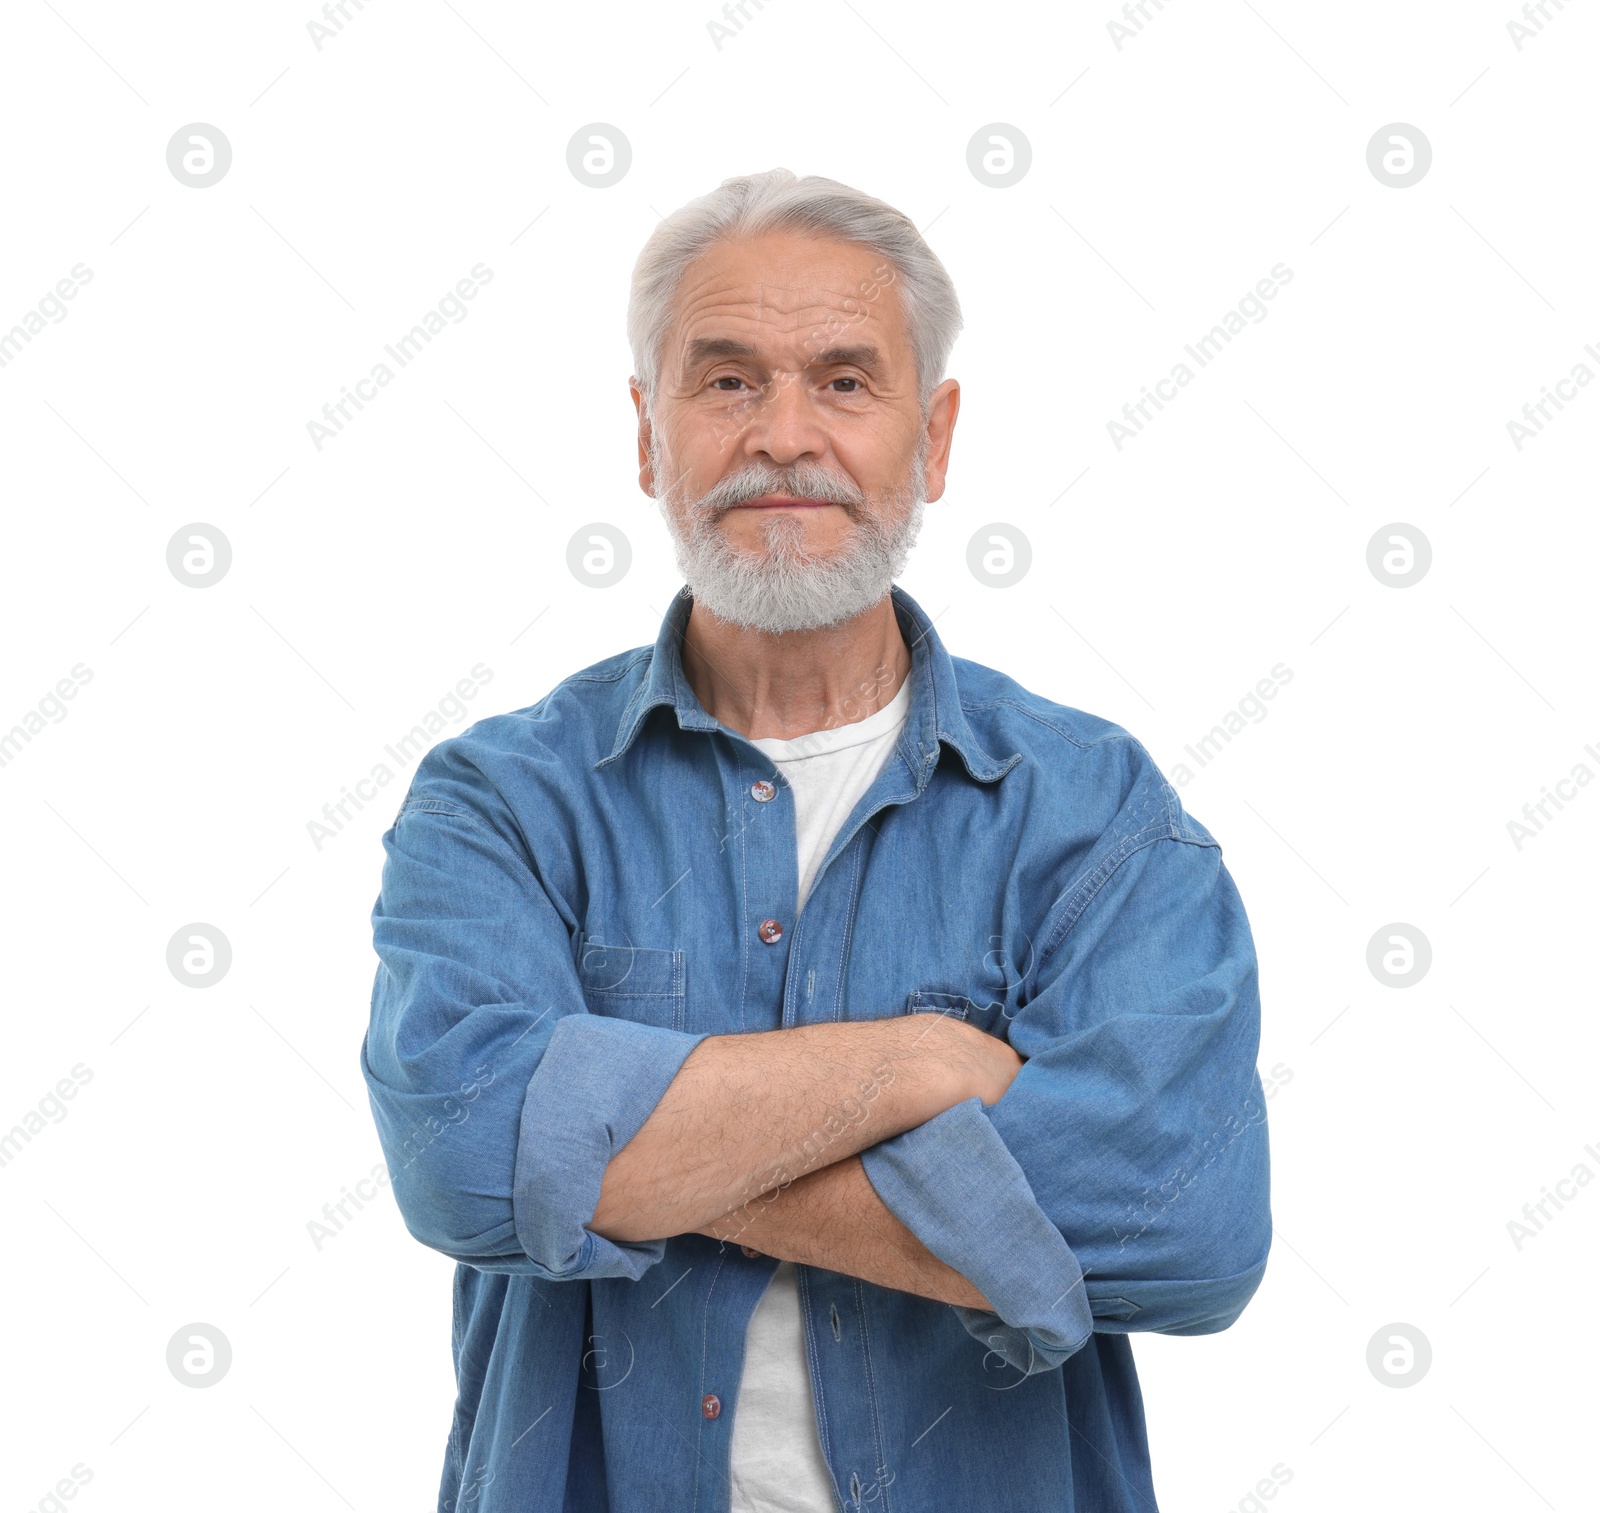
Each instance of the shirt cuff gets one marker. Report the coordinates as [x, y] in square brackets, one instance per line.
[953, 1183]
[598, 1081]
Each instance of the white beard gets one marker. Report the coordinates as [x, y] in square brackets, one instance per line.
[784, 587]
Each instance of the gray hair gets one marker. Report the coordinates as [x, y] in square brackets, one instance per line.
[778, 201]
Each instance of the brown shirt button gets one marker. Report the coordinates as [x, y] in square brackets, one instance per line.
[710, 1405]
[750, 1250]
[762, 791]
[771, 931]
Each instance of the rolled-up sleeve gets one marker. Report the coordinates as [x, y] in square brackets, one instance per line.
[499, 1099]
[1121, 1182]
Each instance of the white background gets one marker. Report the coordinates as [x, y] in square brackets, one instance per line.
[367, 577]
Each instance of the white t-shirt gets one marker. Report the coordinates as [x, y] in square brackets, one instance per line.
[777, 1465]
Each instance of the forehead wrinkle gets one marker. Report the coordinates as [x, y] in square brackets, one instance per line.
[786, 299]
[710, 304]
[804, 314]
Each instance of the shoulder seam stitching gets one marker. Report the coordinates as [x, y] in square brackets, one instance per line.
[1106, 868]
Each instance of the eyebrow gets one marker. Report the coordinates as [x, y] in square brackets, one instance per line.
[861, 357]
[709, 348]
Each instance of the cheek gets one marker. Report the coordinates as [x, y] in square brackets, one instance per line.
[706, 445]
[687, 463]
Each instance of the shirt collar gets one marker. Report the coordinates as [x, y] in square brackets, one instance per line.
[935, 717]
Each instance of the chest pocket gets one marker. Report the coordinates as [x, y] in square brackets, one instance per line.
[632, 982]
[990, 1017]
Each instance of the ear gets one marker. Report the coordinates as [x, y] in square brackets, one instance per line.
[646, 472]
[943, 406]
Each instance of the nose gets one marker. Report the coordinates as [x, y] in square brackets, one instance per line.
[783, 426]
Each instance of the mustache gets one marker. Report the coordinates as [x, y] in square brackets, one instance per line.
[802, 481]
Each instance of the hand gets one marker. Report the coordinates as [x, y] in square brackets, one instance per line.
[983, 1064]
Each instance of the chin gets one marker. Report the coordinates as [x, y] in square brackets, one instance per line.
[778, 538]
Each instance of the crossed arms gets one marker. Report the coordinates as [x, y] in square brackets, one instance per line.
[755, 1142]
[1120, 1183]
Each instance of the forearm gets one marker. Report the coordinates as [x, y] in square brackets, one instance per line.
[748, 1113]
[834, 1219]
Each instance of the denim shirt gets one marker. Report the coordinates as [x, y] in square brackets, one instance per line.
[575, 894]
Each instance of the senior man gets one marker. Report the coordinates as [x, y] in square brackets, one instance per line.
[818, 1052]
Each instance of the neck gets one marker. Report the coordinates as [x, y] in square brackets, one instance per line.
[765, 684]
